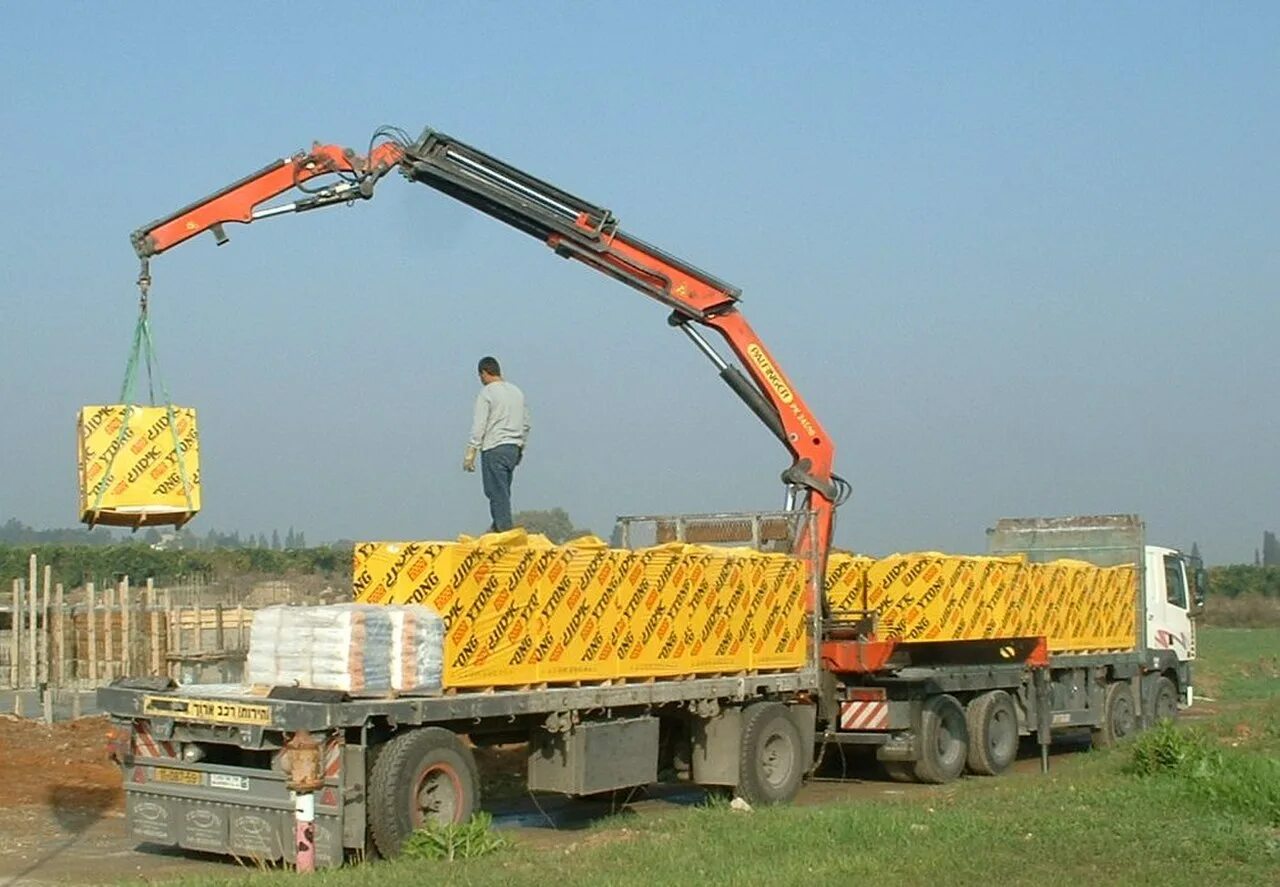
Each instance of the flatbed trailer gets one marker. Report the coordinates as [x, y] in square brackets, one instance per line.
[218, 768]
[236, 798]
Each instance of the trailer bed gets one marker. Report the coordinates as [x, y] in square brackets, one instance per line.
[238, 707]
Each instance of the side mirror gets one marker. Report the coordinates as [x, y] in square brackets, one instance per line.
[1198, 579]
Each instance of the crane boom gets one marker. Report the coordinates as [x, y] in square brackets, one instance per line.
[574, 229]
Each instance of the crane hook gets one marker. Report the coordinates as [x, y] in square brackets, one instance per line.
[144, 284]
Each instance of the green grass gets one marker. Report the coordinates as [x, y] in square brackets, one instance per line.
[1238, 665]
[1223, 773]
[1189, 805]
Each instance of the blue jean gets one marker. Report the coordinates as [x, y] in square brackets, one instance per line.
[496, 469]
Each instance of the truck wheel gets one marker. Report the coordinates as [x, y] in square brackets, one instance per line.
[993, 733]
[1118, 719]
[771, 762]
[944, 740]
[420, 775]
[1163, 705]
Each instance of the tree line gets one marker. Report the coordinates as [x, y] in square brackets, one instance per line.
[14, 532]
[73, 565]
[1243, 579]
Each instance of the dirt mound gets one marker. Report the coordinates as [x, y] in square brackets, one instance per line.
[61, 767]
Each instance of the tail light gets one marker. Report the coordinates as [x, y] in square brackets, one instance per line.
[120, 744]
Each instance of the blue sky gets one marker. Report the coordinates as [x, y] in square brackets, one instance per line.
[1020, 259]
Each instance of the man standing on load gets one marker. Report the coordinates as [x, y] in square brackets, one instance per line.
[499, 432]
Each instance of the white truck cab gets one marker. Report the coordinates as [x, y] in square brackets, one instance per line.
[1174, 593]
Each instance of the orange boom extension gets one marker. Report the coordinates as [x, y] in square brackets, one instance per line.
[575, 229]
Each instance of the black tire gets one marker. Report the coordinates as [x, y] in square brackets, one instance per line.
[1119, 719]
[993, 733]
[419, 774]
[944, 740]
[1162, 702]
[772, 762]
[900, 771]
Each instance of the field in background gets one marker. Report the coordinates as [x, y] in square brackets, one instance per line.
[1245, 611]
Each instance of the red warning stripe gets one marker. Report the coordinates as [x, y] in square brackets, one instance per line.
[333, 758]
[864, 715]
[147, 746]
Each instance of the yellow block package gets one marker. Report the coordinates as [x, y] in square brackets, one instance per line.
[138, 465]
[519, 610]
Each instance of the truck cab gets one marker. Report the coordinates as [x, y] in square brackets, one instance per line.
[1174, 593]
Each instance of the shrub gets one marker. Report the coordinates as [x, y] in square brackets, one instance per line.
[454, 840]
[1228, 779]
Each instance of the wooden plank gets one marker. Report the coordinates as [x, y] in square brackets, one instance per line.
[154, 615]
[93, 634]
[126, 630]
[33, 593]
[173, 630]
[44, 625]
[59, 636]
[15, 635]
[108, 634]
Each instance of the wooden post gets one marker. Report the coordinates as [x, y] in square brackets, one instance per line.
[45, 671]
[198, 644]
[108, 631]
[59, 638]
[92, 629]
[219, 642]
[126, 630]
[15, 635]
[33, 597]
[153, 615]
[240, 644]
[173, 631]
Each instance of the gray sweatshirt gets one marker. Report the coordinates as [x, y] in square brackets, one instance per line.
[501, 417]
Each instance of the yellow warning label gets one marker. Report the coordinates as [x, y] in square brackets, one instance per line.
[218, 711]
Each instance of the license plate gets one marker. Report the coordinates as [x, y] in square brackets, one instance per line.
[209, 710]
[223, 780]
[178, 777]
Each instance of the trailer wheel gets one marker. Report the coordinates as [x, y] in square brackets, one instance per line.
[420, 775]
[944, 740]
[1118, 719]
[1163, 704]
[993, 733]
[771, 763]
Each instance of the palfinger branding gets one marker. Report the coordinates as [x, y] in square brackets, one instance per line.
[934, 597]
[779, 385]
[135, 469]
[520, 611]
[771, 374]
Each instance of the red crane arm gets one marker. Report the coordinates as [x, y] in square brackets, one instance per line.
[573, 228]
[239, 201]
